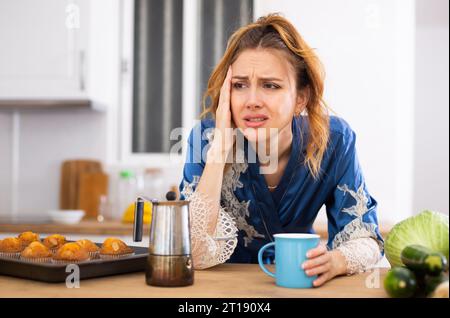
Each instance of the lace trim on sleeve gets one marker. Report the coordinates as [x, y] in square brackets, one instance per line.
[357, 229]
[208, 251]
[361, 254]
[358, 240]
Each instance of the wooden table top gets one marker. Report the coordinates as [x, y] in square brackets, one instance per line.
[223, 281]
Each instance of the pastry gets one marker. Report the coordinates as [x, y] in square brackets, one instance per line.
[113, 247]
[27, 237]
[89, 246]
[36, 252]
[55, 241]
[10, 247]
[71, 252]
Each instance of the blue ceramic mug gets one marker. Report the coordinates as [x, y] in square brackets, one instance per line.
[290, 253]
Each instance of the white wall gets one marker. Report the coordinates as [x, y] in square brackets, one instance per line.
[387, 75]
[46, 139]
[431, 125]
[367, 51]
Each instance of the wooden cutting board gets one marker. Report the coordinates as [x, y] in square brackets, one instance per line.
[92, 187]
[70, 180]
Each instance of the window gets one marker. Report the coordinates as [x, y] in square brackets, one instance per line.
[158, 52]
[175, 46]
[218, 20]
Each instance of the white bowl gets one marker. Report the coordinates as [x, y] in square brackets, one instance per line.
[66, 216]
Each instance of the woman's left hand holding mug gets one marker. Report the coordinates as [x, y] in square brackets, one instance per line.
[326, 264]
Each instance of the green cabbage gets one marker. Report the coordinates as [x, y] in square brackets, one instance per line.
[428, 228]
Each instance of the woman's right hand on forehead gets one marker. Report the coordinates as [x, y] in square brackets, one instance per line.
[224, 137]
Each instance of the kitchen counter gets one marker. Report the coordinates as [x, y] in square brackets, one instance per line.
[223, 281]
[117, 228]
[84, 227]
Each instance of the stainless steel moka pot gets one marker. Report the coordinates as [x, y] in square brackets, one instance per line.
[169, 261]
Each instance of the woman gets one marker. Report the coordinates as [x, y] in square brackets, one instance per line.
[269, 86]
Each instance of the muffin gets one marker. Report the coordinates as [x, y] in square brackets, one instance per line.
[54, 242]
[36, 252]
[10, 247]
[114, 248]
[89, 246]
[71, 253]
[27, 237]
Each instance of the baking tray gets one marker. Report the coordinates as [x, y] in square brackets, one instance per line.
[56, 273]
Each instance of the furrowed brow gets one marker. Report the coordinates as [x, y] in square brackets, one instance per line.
[275, 79]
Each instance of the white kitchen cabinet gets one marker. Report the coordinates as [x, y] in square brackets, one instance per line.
[44, 49]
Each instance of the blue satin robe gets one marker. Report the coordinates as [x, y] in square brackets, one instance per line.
[295, 203]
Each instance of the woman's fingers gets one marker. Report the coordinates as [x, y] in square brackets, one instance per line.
[318, 269]
[224, 134]
[317, 261]
[224, 99]
[319, 250]
[322, 279]
[321, 262]
[226, 83]
[316, 257]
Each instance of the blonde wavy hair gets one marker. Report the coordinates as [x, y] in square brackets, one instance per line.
[276, 32]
